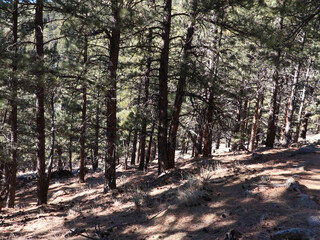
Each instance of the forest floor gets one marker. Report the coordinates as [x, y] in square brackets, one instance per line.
[256, 195]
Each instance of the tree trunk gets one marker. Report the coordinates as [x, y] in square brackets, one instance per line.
[180, 88]
[60, 165]
[42, 187]
[302, 101]
[95, 158]
[14, 110]
[274, 105]
[288, 132]
[145, 105]
[84, 116]
[127, 151]
[134, 147]
[207, 128]
[254, 123]
[218, 139]
[163, 89]
[52, 144]
[70, 150]
[111, 95]
[243, 125]
[199, 137]
[149, 154]
[305, 125]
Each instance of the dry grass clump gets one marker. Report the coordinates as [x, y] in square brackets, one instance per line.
[196, 188]
[140, 197]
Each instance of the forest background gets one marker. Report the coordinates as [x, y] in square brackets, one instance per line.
[132, 81]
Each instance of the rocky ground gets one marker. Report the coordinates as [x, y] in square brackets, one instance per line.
[270, 194]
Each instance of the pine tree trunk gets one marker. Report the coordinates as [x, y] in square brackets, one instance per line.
[302, 101]
[60, 165]
[243, 125]
[254, 123]
[304, 128]
[52, 143]
[134, 147]
[149, 154]
[95, 159]
[163, 89]
[180, 89]
[42, 188]
[288, 131]
[285, 118]
[207, 128]
[198, 139]
[218, 139]
[14, 110]
[145, 104]
[70, 150]
[274, 104]
[84, 116]
[111, 95]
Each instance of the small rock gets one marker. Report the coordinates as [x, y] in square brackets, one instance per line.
[233, 235]
[292, 234]
[314, 221]
[73, 232]
[305, 202]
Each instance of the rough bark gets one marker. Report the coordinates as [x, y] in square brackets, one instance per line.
[172, 141]
[207, 135]
[254, 123]
[243, 124]
[302, 102]
[163, 89]
[84, 116]
[288, 130]
[149, 153]
[274, 104]
[207, 128]
[134, 147]
[304, 127]
[95, 159]
[70, 147]
[111, 96]
[14, 110]
[42, 188]
[145, 104]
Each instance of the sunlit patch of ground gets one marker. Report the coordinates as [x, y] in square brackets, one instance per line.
[228, 194]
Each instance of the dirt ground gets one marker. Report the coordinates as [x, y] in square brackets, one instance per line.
[203, 198]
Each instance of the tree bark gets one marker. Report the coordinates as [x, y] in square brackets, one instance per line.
[302, 101]
[243, 124]
[70, 144]
[95, 159]
[14, 109]
[42, 187]
[288, 132]
[207, 128]
[163, 89]
[134, 147]
[145, 104]
[254, 123]
[84, 116]
[180, 88]
[274, 105]
[111, 95]
[149, 154]
[304, 128]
